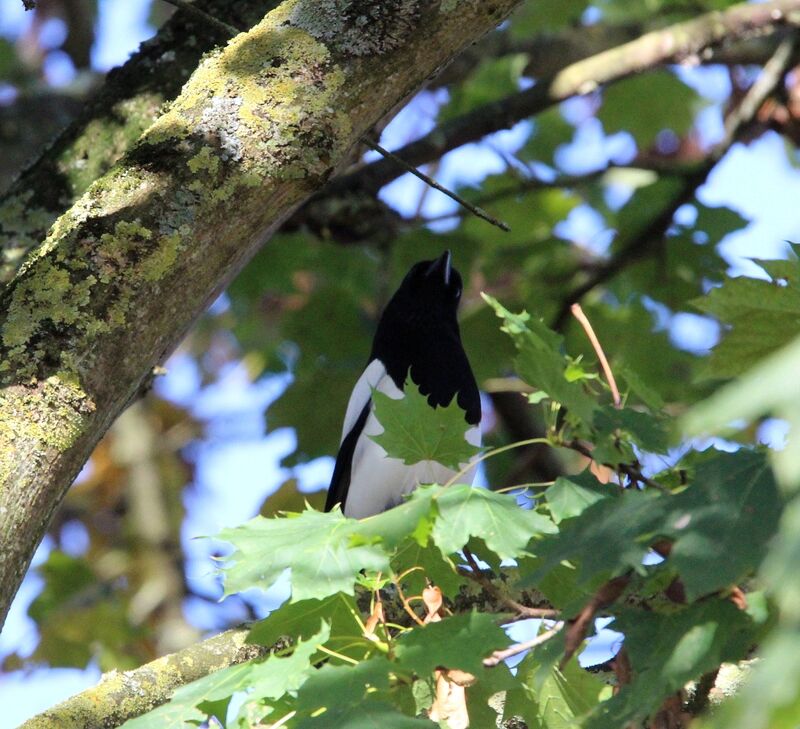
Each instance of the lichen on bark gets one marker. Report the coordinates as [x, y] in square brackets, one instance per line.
[359, 27]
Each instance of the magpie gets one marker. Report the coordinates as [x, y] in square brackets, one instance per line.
[417, 336]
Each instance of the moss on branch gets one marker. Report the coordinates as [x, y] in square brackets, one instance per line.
[120, 696]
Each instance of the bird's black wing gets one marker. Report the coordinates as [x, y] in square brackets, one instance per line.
[340, 481]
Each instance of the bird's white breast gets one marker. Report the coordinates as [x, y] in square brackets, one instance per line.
[378, 482]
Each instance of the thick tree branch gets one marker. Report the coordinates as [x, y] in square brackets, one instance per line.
[109, 124]
[124, 273]
[121, 696]
[667, 45]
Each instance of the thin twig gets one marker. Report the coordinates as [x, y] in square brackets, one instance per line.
[404, 602]
[476, 573]
[631, 471]
[577, 312]
[221, 25]
[771, 75]
[514, 650]
[651, 237]
[480, 212]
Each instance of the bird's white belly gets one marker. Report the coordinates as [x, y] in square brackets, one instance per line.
[378, 482]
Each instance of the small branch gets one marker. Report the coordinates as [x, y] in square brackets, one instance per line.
[652, 236]
[768, 80]
[632, 472]
[514, 650]
[220, 25]
[667, 45]
[605, 595]
[577, 312]
[474, 209]
[120, 696]
[476, 573]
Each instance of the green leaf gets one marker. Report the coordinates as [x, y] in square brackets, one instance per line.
[761, 316]
[667, 650]
[270, 678]
[731, 495]
[606, 539]
[567, 498]
[317, 547]
[436, 568]
[540, 361]
[724, 522]
[331, 687]
[557, 702]
[646, 104]
[504, 526]
[650, 431]
[369, 714]
[300, 620]
[414, 432]
[443, 644]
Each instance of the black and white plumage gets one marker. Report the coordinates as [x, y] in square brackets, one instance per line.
[417, 333]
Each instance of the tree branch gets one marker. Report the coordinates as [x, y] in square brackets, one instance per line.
[208, 18]
[652, 235]
[121, 696]
[109, 124]
[667, 45]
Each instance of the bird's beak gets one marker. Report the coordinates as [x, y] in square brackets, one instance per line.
[441, 264]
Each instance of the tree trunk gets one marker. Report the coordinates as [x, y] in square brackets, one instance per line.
[122, 275]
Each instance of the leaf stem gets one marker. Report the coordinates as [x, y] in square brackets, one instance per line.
[577, 312]
[494, 452]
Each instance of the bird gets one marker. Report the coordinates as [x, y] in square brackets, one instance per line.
[418, 338]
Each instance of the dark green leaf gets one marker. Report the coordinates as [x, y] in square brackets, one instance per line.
[646, 104]
[723, 523]
[762, 316]
[414, 432]
[667, 650]
[540, 361]
[300, 620]
[442, 644]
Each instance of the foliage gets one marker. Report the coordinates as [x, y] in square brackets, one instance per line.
[623, 493]
[352, 663]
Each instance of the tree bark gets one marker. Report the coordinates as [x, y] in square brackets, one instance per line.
[108, 125]
[122, 275]
[120, 696]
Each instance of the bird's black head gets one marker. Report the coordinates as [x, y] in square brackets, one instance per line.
[430, 293]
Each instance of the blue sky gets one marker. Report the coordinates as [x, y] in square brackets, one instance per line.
[757, 180]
